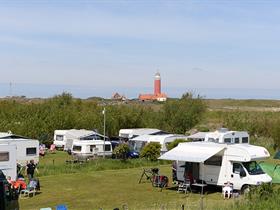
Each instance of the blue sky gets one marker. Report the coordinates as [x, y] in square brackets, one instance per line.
[94, 48]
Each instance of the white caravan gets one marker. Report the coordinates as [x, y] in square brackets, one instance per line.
[229, 137]
[8, 163]
[216, 164]
[59, 138]
[26, 149]
[89, 149]
[134, 132]
[64, 138]
[139, 142]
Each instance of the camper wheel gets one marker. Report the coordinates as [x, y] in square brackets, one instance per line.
[245, 189]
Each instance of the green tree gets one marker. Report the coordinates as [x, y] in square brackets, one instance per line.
[181, 115]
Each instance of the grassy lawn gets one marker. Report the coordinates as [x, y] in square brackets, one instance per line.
[108, 189]
[112, 188]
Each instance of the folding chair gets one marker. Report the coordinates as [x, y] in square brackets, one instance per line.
[30, 189]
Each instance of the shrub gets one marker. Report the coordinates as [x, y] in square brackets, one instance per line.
[151, 151]
[121, 150]
[175, 143]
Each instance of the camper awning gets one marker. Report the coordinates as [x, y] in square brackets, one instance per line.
[196, 152]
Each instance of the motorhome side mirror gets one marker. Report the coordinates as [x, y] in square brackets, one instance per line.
[242, 173]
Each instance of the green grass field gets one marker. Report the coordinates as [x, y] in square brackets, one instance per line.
[108, 189]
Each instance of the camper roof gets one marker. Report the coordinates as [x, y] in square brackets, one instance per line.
[78, 134]
[193, 151]
[89, 142]
[9, 135]
[158, 138]
[198, 135]
[246, 152]
[140, 131]
[221, 133]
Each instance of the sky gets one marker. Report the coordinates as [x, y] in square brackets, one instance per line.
[218, 49]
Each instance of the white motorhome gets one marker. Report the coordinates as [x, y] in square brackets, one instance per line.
[216, 164]
[64, 138]
[89, 149]
[8, 163]
[229, 137]
[26, 149]
[134, 132]
[139, 142]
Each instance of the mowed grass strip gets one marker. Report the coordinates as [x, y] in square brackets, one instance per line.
[113, 188]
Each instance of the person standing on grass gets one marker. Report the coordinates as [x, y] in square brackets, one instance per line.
[30, 169]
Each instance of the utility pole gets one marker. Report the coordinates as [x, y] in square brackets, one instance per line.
[104, 129]
[10, 89]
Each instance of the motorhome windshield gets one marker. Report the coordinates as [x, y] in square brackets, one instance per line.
[253, 168]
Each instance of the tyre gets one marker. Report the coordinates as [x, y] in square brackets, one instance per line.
[245, 189]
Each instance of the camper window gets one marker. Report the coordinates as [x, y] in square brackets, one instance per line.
[213, 140]
[77, 148]
[31, 151]
[59, 137]
[236, 140]
[236, 168]
[108, 147]
[4, 156]
[245, 140]
[214, 161]
[227, 140]
[92, 137]
[92, 148]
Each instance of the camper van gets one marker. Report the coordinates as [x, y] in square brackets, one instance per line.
[64, 138]
[89, 149]
[216, 164]
[139, 142]
[229, 137]
[8, 163]
[26, 149]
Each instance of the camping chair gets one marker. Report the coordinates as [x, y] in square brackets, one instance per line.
[184, 186]
[31, 189]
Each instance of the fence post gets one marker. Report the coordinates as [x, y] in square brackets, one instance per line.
[183, 207]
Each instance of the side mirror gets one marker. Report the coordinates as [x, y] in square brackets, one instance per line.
[242, 173]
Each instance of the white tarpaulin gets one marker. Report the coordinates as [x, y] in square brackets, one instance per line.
[196, 152]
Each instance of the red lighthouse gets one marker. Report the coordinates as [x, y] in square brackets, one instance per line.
[157, 84]
[157, 96]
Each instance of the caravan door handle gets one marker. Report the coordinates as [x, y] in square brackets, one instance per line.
[231, 175]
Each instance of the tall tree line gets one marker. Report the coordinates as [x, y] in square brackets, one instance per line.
[40, 119]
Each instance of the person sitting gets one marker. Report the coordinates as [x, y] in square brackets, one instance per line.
[227, 190]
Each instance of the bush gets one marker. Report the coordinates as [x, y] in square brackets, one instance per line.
[175, 143]
[151, 151]
[121, 151]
